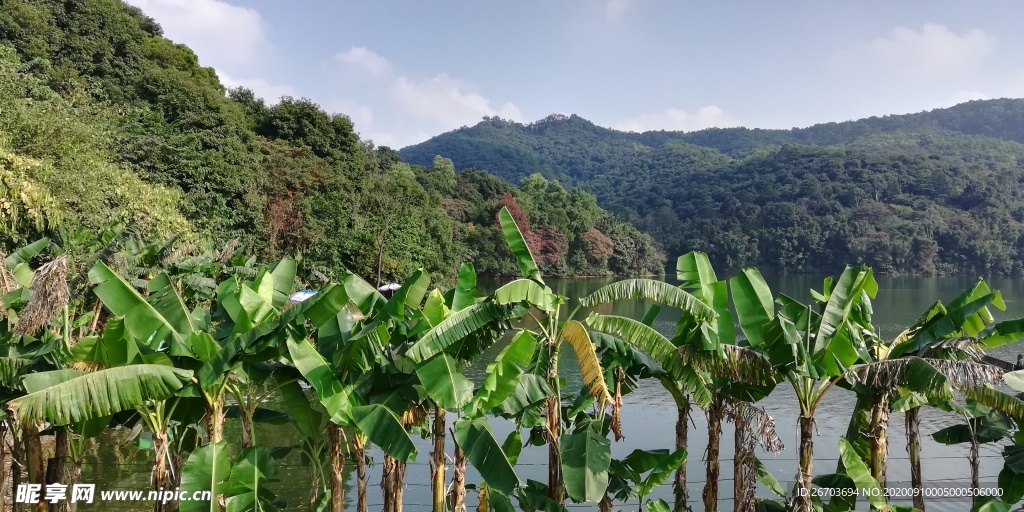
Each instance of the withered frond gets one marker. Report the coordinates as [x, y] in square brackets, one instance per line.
[49, 294]
[181, 252]
[759, 425]
[740, 364]
[225, 254]
[968, 373]
[929, 376]
[954, 348]
[7, 281]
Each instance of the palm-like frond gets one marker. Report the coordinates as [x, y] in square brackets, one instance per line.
[995, 399]
[99, 394]
[456, 327]
[658, 291]
[736, 363]
[657, 347]
[590, 366]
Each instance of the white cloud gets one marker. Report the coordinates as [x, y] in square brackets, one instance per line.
[365, 59]
[222, 34]
[271, 93]
[615, 9]
[361, 115]
[934, 53]
[448, 101]
[675, 119]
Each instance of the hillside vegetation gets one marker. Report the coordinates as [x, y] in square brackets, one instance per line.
[103, 121]
[933, 192]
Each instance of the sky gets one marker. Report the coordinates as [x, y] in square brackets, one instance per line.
[405, 71]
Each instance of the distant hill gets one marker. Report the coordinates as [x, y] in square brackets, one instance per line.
[103, 122]
[931, 192]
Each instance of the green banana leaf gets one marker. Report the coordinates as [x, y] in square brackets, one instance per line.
[142, 319]
[455, 328]
[484, 453]
[99, 394]
[860, 474]
[384, 429]
[754, 304]
[516, 242]
[465, 288]
[586, 457]
[444, 382]
[207, 469]
[657, 291]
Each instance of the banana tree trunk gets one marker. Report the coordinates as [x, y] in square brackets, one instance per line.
[314, 491]
[359, 447]
[740, 468]
[459, 481]
[215, 420]
[606, 504]
[337, 462]
[55, 466]
[75, 477]
[392, 482]
[5, 459]
[36, 465]
[682, 431]
[247, 433]
[710, 494]
[914, 447]
[437, 463]
[159, 477]
[879, 438]
[554, 457]
[975, 460]
[806, 462]
[17, 455]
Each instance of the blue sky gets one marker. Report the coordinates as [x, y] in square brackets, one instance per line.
[405, 71]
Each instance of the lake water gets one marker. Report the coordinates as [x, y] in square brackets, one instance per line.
[648, 417]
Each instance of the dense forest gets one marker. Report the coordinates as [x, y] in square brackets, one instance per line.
[936, 192]
[104, 122]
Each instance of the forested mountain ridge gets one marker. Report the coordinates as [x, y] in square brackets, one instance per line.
[933, 192]
[105, 122]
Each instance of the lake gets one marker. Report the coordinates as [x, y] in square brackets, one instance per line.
[648, 417]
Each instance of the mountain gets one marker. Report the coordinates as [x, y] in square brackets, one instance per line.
[931, 192]
[105, 122]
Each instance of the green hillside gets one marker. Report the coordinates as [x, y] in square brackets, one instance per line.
[933, 192]
[105, 122]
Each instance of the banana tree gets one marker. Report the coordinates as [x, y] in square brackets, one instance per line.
[704, 355]
[814, 347]
[41, 326]
[449, 390]
[923, 365]
[340, 366]
[548, 326]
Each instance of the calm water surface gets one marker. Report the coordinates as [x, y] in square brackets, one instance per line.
[649, 416]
